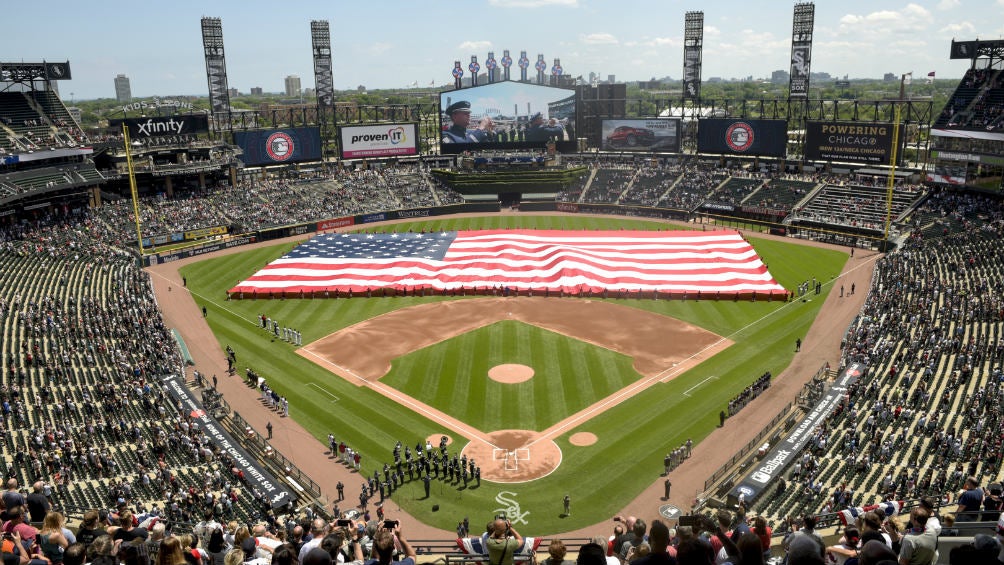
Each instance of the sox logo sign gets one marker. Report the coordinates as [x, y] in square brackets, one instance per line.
[279, 146]
[739, 137]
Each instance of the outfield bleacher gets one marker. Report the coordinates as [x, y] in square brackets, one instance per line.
[855, 206]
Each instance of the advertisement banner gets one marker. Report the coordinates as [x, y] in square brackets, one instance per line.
[279, 146]
[141, 128]
[335, 223]
[800, 69]
[742, 137]
[205, 232]
[258, 479]
[853, 142]
[964, 49]
[772, 465]
[369, 218]
[641, 135]
[944, 173]
[418, 213]
[692, 72]
[384, 140]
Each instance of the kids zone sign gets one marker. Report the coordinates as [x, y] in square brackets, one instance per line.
[384, 140]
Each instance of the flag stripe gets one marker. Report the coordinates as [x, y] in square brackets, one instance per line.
[569, 261]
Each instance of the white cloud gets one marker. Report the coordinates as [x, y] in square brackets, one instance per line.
[532, 3]
[912, 18]
[474, 45]
[378, 48]
[948, 4]
[712, 31]
[664, 42]
[598, 39]
[959, 29]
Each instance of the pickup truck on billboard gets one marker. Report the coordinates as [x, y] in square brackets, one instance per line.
[641, 135]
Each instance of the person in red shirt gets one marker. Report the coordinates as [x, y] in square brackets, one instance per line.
[763, 531]
[16, 523]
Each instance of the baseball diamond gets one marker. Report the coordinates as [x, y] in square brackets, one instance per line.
[358, 342]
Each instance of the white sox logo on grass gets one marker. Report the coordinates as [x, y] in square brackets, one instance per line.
[510, 507]
[739, 137]
[279, 146]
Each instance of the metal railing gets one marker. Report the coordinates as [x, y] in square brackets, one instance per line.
[722, 471]
[277, 461]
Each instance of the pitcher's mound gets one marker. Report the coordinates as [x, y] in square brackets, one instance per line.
[510, 373]
[582, 439]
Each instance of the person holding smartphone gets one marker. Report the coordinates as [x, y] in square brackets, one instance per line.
[503, 543]
[384, 545]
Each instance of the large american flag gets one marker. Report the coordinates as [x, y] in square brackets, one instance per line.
[570, 261]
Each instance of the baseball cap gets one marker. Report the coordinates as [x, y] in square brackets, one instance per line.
[461, 106]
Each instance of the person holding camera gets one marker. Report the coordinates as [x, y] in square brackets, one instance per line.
[503, 543]
[384, 545]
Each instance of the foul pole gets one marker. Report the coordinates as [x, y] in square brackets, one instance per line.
[132, 187]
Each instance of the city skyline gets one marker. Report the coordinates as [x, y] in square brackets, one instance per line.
[415, 45]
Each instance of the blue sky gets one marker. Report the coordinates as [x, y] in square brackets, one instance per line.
[394, 43]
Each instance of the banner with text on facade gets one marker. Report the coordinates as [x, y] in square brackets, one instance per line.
[852, 142]
[381, 140]
[773, 464]
[181, 124]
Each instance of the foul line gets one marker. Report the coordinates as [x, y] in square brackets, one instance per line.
[206, 300]
[403, 399]
[324, 390]
[687, 392]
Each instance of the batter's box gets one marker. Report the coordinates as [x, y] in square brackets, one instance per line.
[523, 454]
[499, 453]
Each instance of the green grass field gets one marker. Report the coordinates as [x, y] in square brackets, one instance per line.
[456, 384]
[632, 437]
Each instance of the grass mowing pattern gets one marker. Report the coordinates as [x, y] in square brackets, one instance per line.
[632, 437]
[459, 385]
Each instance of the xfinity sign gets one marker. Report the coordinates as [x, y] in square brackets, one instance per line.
[173, 125]
[381, 140]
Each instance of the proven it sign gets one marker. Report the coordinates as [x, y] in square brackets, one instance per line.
[385, 140]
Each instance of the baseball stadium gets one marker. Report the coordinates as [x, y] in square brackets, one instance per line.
[575, 313]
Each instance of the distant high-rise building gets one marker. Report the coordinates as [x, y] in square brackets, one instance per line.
[123, 92]
[256, 91]
[780, 76]
[611, 78]
[234, 93]
[292, 85]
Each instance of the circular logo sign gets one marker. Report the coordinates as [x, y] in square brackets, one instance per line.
[279, 146]
[739, 136]
[507, 61]
[745, 490]
[491, 64]
[669, 512]
[474, 67]
[458, 72]
[540, 66]
[556, 70]
[524, 62]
